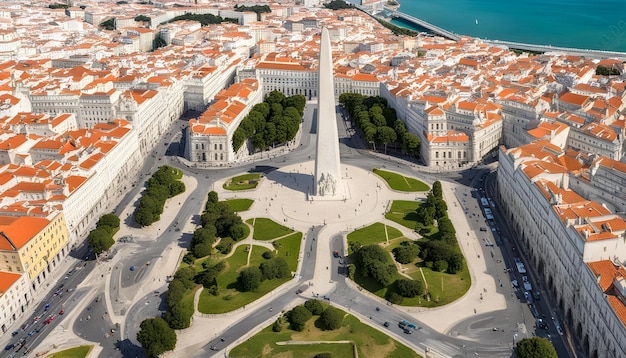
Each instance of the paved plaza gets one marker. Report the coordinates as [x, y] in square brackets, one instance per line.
[283, 196]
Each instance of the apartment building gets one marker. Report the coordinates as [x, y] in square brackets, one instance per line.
[15, 297]
[209, 137]
[33, 244]
[563, 234]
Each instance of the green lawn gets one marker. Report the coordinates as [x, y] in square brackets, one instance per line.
[179, 173]
[401, 183]
[289, 248]
[444, 288]
[404, 213]
[373, 234]
[267, 229]
[369, 342]
[239, 204]
[229, 298]
[243, 182]
[76, 352]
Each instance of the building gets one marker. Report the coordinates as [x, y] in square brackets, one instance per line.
[33, 244]
[563, 234]
[209, 137]
[15, 297]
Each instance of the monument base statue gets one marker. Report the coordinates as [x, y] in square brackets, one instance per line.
[327, 185]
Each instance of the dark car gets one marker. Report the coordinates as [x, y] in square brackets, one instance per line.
[407, 331]
[9, 347]
[386, 324]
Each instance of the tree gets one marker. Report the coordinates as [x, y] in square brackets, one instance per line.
[156, 337]
[175, 292]
[386, 135]
[239, 137]
[375, 262]
[238, 231]
[275, 97]
[406, 253]
[109, 220]
[410, 143]
[399, 127]
[455, 263]
[186, 276]
[298, 317]
[100, 239]
[179, 315]
[249, 279]
[437, 190]
[142, 18]
[440, 265]
[409, 288]
[273, 268]
[332, 318]
[207, 277]
[535, 347]
[314, 306]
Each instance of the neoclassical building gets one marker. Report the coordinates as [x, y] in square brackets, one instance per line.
[209, 137]
[564, 234]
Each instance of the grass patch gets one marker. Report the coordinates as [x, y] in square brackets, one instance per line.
[401, 183]
[443, 287]
[404, 213]
[178, 174]
[228, 298]
[369, 342]
[373, 234]
[76, 352]
[267, 229]
[239, 204]
[289, 248]
[243, 182]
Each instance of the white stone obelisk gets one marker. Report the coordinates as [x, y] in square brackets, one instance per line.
[328, 183]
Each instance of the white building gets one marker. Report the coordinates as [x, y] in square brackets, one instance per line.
[561, 232]
[15, 297]
[209, 137]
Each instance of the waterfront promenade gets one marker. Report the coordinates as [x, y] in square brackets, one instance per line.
[515, 45]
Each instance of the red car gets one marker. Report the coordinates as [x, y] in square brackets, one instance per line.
[61, 312]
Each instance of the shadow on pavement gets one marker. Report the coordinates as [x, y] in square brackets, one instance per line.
[294, 181]
[128, 349]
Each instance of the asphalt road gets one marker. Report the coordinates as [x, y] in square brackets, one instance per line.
[96, 327]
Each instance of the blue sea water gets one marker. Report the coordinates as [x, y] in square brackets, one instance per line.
[585, 24]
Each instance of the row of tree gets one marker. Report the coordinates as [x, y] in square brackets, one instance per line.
[100, 239]
[378, 122]
[161, 186]
[157, 335]
[373, 261]
[203, 19]
[607, 71]
[331, 318]
[217, 221]
[441, 251]
[273, 122]
[259, 9]
[338, 4]
[273, 267]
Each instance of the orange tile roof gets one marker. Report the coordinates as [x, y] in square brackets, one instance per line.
[14, 234]
[7, 279]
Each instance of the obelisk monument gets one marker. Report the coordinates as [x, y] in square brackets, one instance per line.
[328, 183]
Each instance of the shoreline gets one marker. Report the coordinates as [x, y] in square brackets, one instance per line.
[509, 44]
